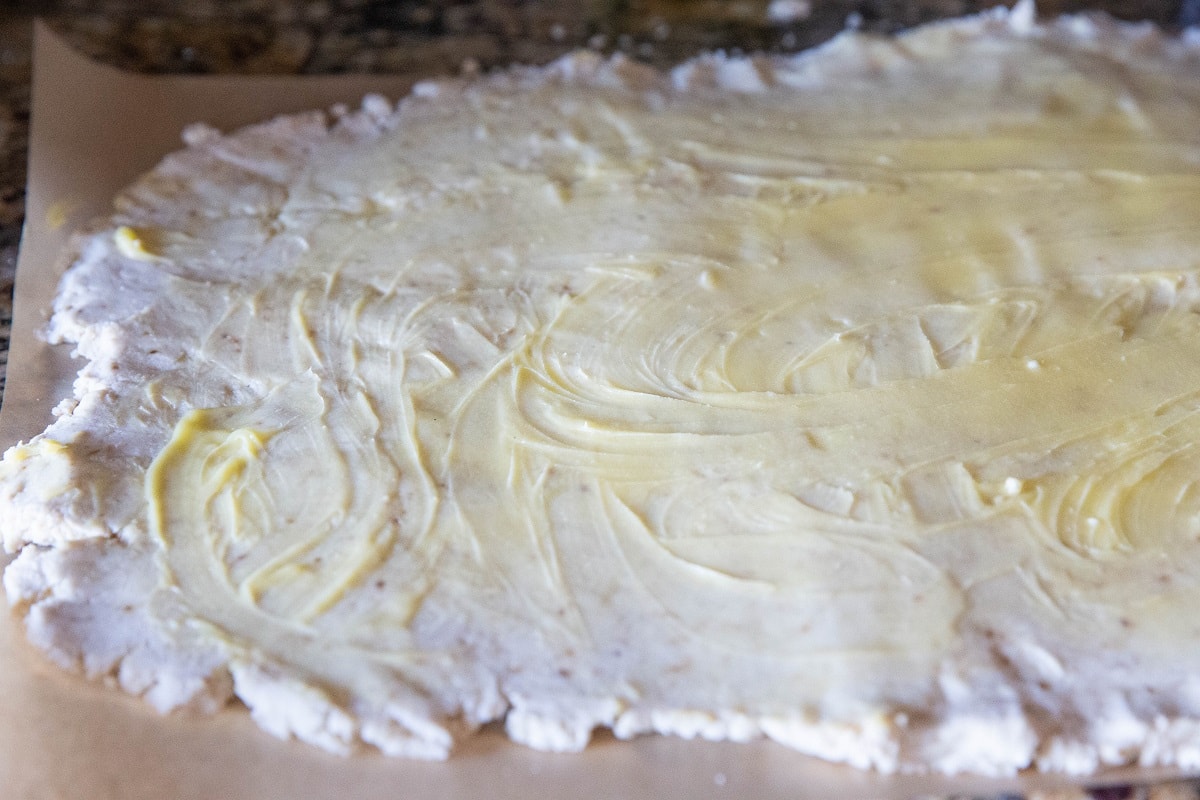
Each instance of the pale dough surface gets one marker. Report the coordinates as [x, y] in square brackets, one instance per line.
[847, 399]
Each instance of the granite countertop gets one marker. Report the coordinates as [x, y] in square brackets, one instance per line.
[336, 36]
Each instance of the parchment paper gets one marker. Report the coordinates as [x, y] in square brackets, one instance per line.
[93, 130]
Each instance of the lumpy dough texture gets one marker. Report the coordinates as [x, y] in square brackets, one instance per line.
[848, 399]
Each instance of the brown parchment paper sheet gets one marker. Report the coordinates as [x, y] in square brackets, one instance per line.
[94, 129]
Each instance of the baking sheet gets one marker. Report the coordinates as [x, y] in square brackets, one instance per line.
[93, 130]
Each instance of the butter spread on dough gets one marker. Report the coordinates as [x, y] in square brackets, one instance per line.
[848, 399]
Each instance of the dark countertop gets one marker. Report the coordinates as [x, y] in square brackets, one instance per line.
[335, 36]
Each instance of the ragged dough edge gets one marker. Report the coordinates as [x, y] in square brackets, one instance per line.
[82, 568]
[95, 608]
[287, 707]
